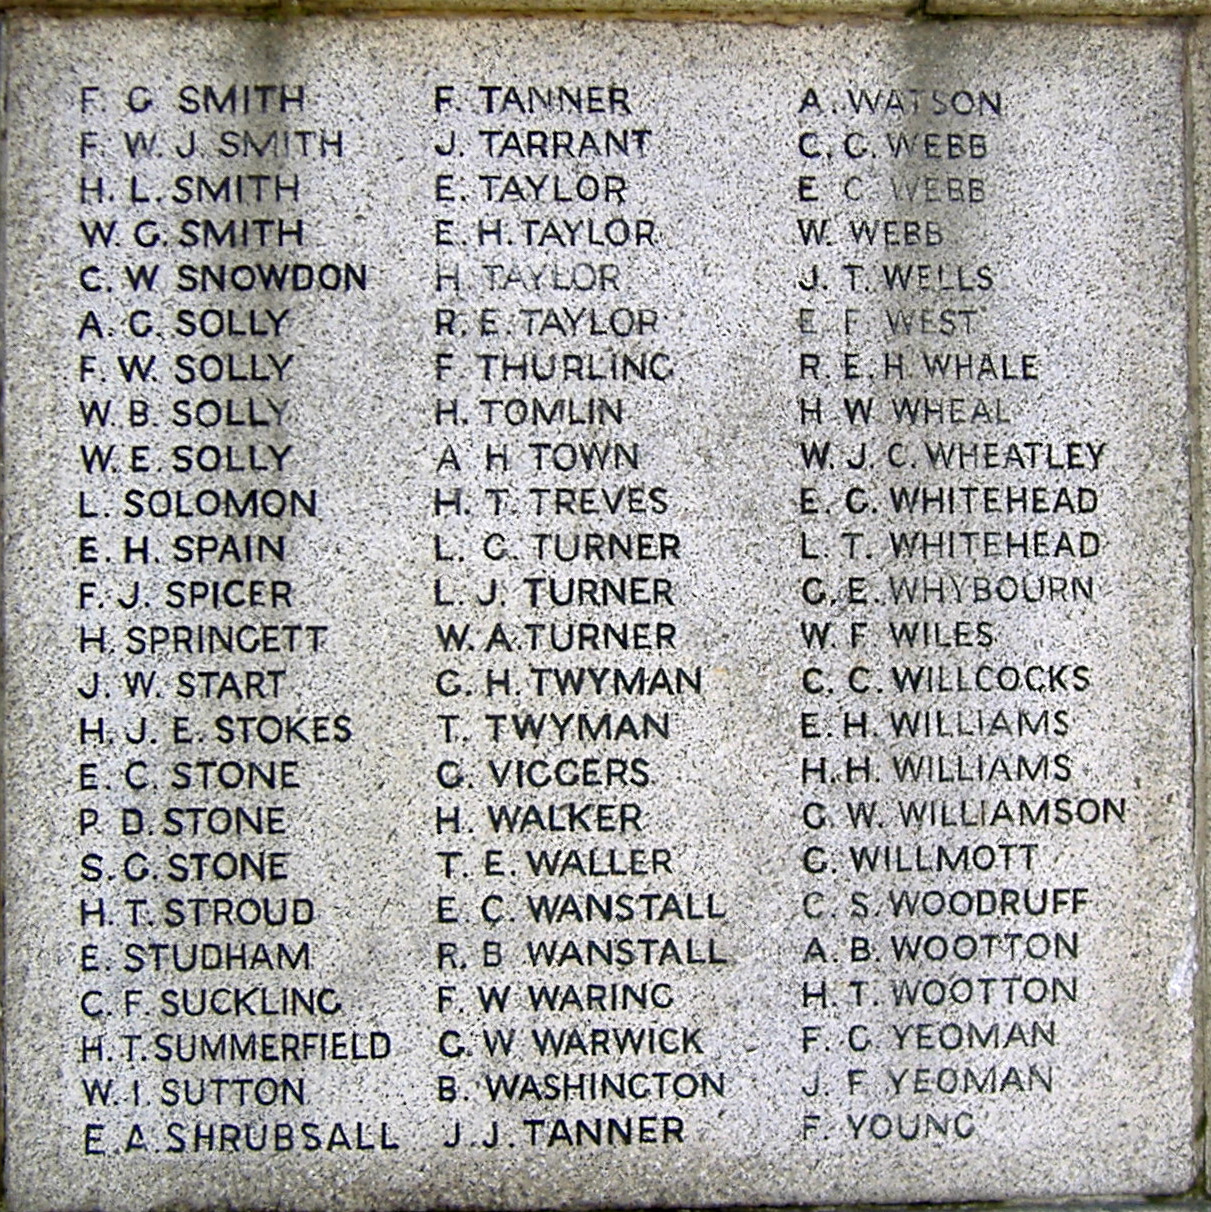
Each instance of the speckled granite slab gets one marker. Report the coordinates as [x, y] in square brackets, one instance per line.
[596, 615]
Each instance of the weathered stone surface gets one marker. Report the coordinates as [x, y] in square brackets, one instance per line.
[1200, 269]
[839, 372]
[286, 10]
[290, 10]
[1066, 8]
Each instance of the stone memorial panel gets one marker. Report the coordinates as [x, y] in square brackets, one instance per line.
[597, 614]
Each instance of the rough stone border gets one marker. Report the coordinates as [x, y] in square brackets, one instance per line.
[791, 11]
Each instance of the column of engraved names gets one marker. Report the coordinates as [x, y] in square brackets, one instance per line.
[195, 506]
[935, 508]
[566, 962]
